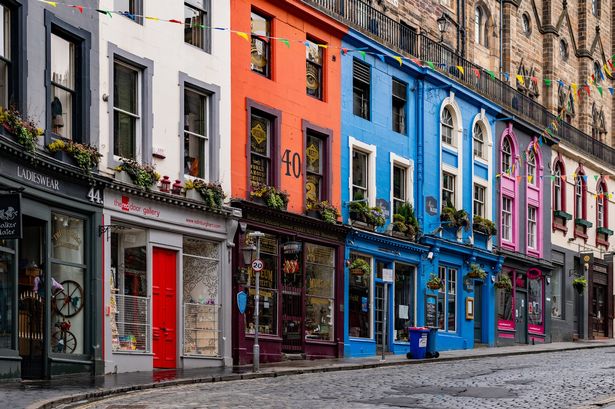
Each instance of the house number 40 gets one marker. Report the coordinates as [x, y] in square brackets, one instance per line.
[292, 164]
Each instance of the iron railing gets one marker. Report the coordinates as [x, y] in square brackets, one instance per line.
[399, 37]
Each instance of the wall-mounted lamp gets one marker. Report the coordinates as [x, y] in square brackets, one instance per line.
[442, 25]
[493, 279]
[430, 256]
[548, 280]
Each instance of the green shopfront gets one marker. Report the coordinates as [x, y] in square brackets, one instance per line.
[50, 283]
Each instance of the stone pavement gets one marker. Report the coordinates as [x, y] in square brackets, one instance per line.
[54, 393]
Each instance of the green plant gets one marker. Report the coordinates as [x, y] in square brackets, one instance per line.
[328, 212]
[359, 210]
[455, 218]
[503, 282]
[271, 196]
[211, 192]
[143, 175]
[484, 226]
[400, 227]
[23, 128]
[405, 221]
[477, 272]
[376, 216]
[360, 264]
[86, 156]
[435, 282]
[579, 284]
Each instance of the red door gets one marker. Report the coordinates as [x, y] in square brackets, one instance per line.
[164, 299]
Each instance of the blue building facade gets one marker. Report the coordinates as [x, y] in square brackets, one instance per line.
[395, 118]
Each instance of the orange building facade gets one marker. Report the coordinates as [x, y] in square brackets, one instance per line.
[286, 119]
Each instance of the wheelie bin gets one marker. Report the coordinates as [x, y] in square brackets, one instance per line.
[431, 343]
[418, 342]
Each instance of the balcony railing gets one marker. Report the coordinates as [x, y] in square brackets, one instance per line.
[360, 15]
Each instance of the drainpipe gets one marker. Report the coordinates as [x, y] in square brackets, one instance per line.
[501, 34]
[420, 202]
[461, 27]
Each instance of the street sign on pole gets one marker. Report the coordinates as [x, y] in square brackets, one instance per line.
[257, 265]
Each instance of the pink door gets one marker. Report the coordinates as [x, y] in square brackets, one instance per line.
[164, 299]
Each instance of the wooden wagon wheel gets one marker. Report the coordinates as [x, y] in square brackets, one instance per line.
[63, 341]
[69, 301]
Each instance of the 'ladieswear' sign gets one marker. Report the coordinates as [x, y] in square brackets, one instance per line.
[10, 216]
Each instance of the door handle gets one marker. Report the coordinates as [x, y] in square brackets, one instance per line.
[163, 329]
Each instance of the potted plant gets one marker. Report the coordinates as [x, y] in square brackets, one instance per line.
[477, 272]
[503, 282]
[210, 192]
[324, 210]
[375, 217]
[455, 218]
[405, 222]
[399, 225]
[484, 226]
[270, 196]
[435, 282]
[358, 211]
[579, 284]
[85, 156]
[359, 267]
[142, 175]
[24, 130]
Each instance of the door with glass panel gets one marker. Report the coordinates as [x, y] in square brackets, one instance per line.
[292, 298]
[599, 311]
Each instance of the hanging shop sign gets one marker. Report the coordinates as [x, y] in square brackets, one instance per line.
[431, 205]
[242, 301]
[10, 216]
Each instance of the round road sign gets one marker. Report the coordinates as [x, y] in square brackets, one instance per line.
[257, 265]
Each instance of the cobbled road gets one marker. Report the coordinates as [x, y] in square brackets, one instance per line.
[552, 380]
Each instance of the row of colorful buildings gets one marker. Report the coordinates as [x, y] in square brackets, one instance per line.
[465, 201]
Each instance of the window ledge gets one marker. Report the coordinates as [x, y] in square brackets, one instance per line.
[450, 148]
[204, 357]
[361, 339]
[580, 235]
[583, 222]
[135, 353]
[481, 161]
[605, 230]
[508, 245]
[600, 242]
[562, 215]
[559, 227]
[534, 252]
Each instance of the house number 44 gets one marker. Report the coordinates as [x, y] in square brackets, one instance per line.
[95, 196]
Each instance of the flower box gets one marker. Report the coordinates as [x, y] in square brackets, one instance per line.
[562, 214]
[192, 194]
[123, 177]
[606, 231]
[583, 222]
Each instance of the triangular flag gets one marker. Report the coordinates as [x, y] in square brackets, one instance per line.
[285, 41]
[106, 12]
[587, 89]
[344, 51]
[612, 90]
[307, 43]
[519, 178]
[380, 56]
[506, 76]
[398, 59]
[529, 179]
[574, 87]
[606, 178]
[535, 81]
[430, 64]
[152, 18]
[547, 82]
[51, 3]
[175, 21]
[585, 178]
[491, 74]
[80, 8]
[520, 79]
[476, 72]
[595, 177]
[599, 89]
[416, 61]
[561, 83]
[552, 178]
[362, 54]
[243, 35]
[497, 175]
[460, 68]
[563, 178]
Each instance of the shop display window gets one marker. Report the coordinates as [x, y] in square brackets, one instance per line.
[201, 285]
[7, 286]
[268, 308]
[129, 303]
[404, 301]
[320, 292]
[359, 299]
[447, 301]
[535, 301]
[505, 305]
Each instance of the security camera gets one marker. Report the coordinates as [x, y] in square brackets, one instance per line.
[430, 256]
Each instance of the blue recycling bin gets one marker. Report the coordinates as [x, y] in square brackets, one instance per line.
[431, 343]
[418, 343]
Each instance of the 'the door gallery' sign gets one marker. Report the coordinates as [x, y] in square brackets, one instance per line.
[10, 216]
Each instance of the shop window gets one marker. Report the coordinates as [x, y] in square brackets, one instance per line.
[262, 139]
[319, 292]
[359, 175]
[268, 308]
[260, 61]
[360, 306]
[196, 23]
[535, 301]
[68, 268]
[314, 60]
[196, 134]
[130, 301]
[447, 127]
[7, 289]
[316, 167]
[400, 186]
[505, 304]
[6, 62]
[201, 282]
[479, 200]
[361, 83]
[126, 111]
[404, 301]
[448, 189]
[556, 291]
[400, 90]
[132, 9]
[447, 299]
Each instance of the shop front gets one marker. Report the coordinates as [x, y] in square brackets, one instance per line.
[167, 281]
[522, 310]
[301, 284]
[48, 288]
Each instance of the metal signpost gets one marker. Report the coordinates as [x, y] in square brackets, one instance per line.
[257, 266]
[387, 278]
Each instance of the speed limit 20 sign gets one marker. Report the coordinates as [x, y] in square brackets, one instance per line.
[257, 265]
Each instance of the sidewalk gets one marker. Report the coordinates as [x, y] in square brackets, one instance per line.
[49, 394]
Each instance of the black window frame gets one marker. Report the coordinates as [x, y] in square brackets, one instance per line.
[275, 118]
[325, 137]
[361, 88]
[319, 68]
[399, 106]
[265, 40]
[205, 32]
[16, 75]
[135, 11]
[81, 103]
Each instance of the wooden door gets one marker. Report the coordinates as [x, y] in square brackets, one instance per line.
[521, 318]
[164, 299]
[478, 312]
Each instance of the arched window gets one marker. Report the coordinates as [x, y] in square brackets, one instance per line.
[446, 122]
[526, 24]
[506, 156]
[479, 141]
[558, 191]
[478, 25]
[531, 167]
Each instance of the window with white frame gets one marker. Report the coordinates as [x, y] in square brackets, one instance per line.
[507, 218]
[578, 197]
[531, 227]
[400, 186]
[447, 300]
[479, 141]
[557, 187]
[506, 156]
[600, 206]
[447, 126]
[360, 162]
[479, 200]
[531, 167]
[196, 135]
[126, 111]
[448, 189]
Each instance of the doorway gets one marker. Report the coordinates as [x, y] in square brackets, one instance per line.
[599, 311]
[520, 317]
[379, 318]
[478, 312]
[164, 298]
[31, 298]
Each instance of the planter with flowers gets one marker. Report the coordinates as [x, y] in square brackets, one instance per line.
[269, 196]
[477, 272]
[322, 210]
[85, 156]
[435, 283]
[209, 192]
[23, 129]
[579, 284]
[142, 175]
[503, 282]
[405, 224]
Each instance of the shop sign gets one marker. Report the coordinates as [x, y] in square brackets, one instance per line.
[430, 311]
[387, 275]
[242, 301]
[10, 216]
[431, 205]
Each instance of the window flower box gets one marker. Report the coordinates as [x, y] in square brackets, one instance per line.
[562, 214]
[582, 222]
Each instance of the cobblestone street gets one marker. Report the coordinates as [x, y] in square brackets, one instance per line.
[556, 380]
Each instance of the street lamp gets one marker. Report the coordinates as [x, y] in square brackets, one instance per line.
[442, 25]
[248, 252]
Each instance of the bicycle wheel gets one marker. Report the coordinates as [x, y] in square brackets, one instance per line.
[63, 342]
[69, 301]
